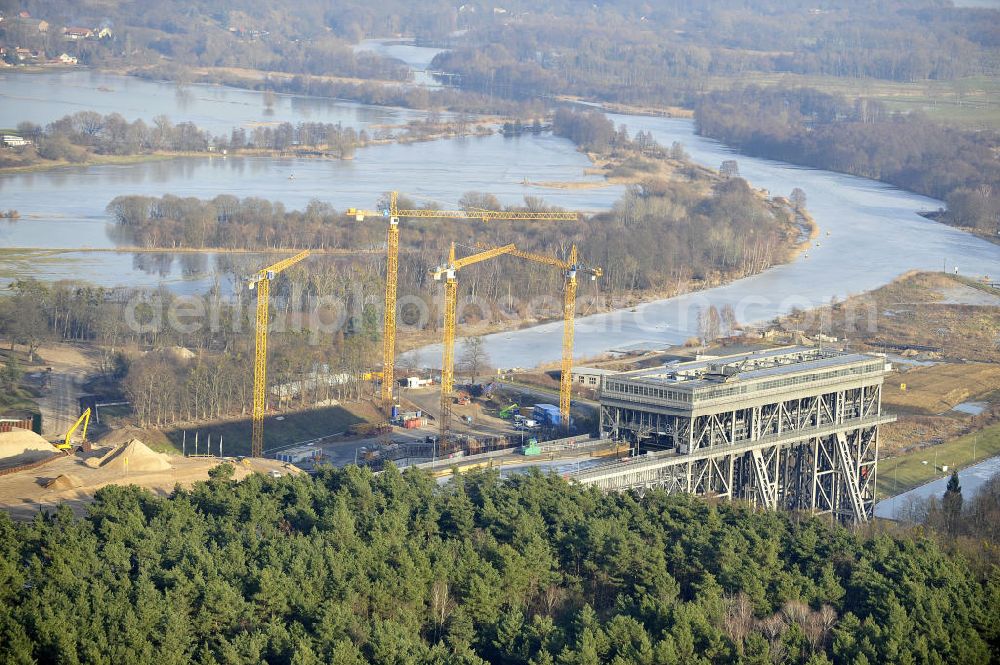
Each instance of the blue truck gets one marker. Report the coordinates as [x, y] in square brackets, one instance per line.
[547, 415]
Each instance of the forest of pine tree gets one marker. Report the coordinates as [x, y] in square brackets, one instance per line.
[348, 567]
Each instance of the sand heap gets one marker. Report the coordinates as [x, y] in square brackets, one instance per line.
[66, 481]
[20, 446]
[134, 457]
[119, 437]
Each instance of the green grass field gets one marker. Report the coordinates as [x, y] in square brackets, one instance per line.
[904, 472]
[972, 102]
[292, 428]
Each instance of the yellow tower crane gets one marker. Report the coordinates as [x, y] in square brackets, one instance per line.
[262, 282]
[393, 214]
[449, 271]
[569, 267]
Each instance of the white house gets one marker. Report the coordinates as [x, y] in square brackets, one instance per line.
[15, 141]
[590, 377]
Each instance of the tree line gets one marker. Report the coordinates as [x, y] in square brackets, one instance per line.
[620, 52]
[661, 232]
[347, 567]
[805, 126]
[201, 367]
[613, 51]
[76, 137]
[961, 525]
[378, 93]
[145, 34]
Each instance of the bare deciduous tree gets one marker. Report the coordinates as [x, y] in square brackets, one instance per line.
[738, 620]
[441, 603]
[474, 357]
[798, 199]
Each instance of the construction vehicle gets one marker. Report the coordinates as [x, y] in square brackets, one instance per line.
[525, 423]
[393, 214]
[510, 411]
[531, 448]
[484, 390]
[449, 271]
[262, 282]
[569, 267]
[67, 443]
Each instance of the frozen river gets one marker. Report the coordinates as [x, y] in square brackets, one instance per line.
[971, 479]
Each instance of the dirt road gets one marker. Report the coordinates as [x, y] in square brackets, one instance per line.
[60, 403]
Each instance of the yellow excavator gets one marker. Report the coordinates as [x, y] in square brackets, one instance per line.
[67, 443]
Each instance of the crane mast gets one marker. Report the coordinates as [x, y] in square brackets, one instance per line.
[569, 268]
[569, 324]
[449, 271]
[262, 282]
[393, 213]
[389, 316]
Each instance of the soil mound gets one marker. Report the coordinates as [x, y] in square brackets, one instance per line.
[66, 481]
[136, 457]
[120, 437]
[19, 446]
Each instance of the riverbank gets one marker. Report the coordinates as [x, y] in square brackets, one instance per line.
[902, 473]
[405, 94]
[938, 216]
[630, 109]
[950, 316]
[100, 160]
[825, 132]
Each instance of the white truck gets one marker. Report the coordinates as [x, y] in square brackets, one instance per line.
[525, 423]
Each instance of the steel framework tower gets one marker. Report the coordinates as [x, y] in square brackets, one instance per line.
[794, 428]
